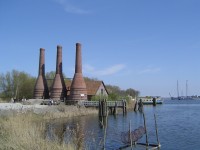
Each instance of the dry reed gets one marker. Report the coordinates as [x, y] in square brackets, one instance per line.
[26, 131]
[62, 111]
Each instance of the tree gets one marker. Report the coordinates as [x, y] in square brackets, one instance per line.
[132, 92]
[17, 85]
[50, 77]
[90, 79]
[113, 97]
[115, 93]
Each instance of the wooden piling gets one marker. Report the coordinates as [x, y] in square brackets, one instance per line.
[147, 143]
[100, 109]
[124, 107]
[154, 101]
[103, 108]
[136, 105]
[156, 130]
[115, 109]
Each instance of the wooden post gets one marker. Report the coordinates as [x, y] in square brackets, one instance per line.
[104, 108]
[123, 103]
[100, 109]
[115, 108]
[147, 143]
[156, 130]
[125, 107]
[154, 101]
[136, 105]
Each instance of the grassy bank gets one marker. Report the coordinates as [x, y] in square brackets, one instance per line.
[26, 131]
[62, 111]
[21, 131]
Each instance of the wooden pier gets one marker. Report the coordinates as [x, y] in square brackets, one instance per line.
[106, 106]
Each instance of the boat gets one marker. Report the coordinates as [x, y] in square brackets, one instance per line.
[150, 99]
[178, 96]
[184, 97]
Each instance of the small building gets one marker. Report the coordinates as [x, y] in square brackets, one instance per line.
[94, 88]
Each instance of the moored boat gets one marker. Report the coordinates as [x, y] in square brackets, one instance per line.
[150, 99]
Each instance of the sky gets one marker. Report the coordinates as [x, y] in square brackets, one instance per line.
[146, 45]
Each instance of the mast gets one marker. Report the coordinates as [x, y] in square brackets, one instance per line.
[177, 89]
[186, 88]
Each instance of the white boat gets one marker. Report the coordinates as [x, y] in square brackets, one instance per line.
[149, 99]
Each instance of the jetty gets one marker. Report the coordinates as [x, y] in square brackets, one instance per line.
[106, 106]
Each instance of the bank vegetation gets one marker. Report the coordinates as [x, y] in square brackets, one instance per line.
[20, 85]
[28, 131]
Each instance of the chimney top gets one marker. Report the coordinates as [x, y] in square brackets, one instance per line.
[42, 49]
[59, 46]
[78, 44]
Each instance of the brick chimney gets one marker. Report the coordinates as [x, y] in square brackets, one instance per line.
[78, 89]
[58, 90]
[41, 89]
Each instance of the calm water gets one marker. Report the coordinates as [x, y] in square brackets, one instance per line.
[178, 126]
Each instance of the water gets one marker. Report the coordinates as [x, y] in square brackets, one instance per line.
[178, 126]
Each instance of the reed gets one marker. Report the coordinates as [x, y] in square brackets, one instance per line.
[63, 111]
[26, 131]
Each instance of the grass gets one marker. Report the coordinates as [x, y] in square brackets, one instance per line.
[62, 111]
[2, 101]
[26, 131]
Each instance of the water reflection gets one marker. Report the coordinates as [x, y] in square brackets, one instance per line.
[178, 124]
[93, 132]
[77, 131]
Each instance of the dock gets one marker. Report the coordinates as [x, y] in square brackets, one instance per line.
[106, 106]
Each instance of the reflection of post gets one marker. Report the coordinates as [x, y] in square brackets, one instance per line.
[60, 132]
[130, 134]
[79, 137]
[105, 132]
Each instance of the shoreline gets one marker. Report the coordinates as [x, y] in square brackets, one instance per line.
[50, 111]
[46, 111]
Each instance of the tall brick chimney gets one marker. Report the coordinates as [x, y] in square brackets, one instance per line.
[78, 89]
[41, 89]
[58, 90]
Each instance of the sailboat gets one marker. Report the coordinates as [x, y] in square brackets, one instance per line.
[178, 96]
[184, 97]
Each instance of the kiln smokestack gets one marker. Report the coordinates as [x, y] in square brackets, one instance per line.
[41, 89]
[59, 60]
[78, 89]
[78, 67]
[58, 91]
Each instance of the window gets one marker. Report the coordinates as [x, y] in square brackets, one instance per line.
[101, 91]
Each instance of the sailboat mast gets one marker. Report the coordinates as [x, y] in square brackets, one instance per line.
[177, 89]
[186, 88]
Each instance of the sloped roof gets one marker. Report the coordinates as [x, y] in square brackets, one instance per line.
[92, 86]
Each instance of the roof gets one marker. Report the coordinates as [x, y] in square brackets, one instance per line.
[92, 86]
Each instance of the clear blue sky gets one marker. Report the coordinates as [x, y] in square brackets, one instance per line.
[143, 44]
